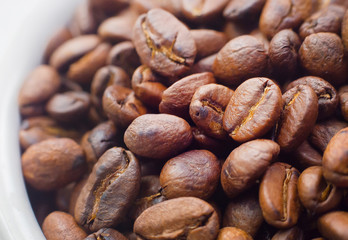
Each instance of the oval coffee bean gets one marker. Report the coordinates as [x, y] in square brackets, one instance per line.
[164, 43]
[306, 156]
[246, 164]
[345, 30]
[158, 136]
[333, 225]
[58, 38]
[62, 226]
[231, 233]
[179, 218]
[253, 109]
[106, 234]
[300, 111]
[278, 195]
[335, 159]
[99, 204]
[343, 96]
[293, 233]
[202, 11]
[242, 10]
[53, 163]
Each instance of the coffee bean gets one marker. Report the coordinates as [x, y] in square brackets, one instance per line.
[106, 234]
[58, 38]
[333, 225]
[202, 11]
[243, 10]
[344, 32]
[343, 98]
[293, 233]
[143, 6]
[204, 65]
[84, 21]
[227, 233]
[306, 155]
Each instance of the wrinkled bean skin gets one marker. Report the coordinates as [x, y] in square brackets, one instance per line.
[243, 9]
[232, 233]
[282, 14]
[343, 97]
[335, 159]
[246, 164]
[207, 108]
[241, 58]
[98, 204]
[315, 193]
[326, 93]
[293, 233]
[163, 43]
[300, 111]
[333, 225]
[179, 218]
[191, 174]
[202, 11]
[158, 136]
[62, 226]
[106, 234]
[306, 156]
[53, 163]
[278, 195]
[253, 109]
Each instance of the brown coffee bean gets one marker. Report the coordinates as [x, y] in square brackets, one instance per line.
[232, 233]
[207, 108]
[42, 83]
[300, 111]
[343, 98]
[62, 198]
[241, 58]
[179, 218]
[148, 86]
[204, 65]
[158, 136]
[324, 131]
[325, 20]
[333, 225]
[124, 56]
[143, 6]
[322, 54]
[244, 212]
[42, 203]
[105, 8]
[326, 93]
[106, 234]
[165, 45]
[75, 194]
[253, 109]
[344, 31]
[62, 226]
[278, 195]
[243, 10]
[335, 159]
[99, 203]
[246, 164]
[282, 14]
[69, 107]
[53, 163]
[191, 174]
[306, 156]
[208, 41]
[177, 98]
[121, 106]
[293, 233]
[316, 194]
[84, 20]
[57, 39]
[202, 11]
[283, 52]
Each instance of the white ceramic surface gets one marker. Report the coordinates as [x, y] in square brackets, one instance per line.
[25, 27]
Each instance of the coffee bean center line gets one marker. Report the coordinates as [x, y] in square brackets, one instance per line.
[285, 194]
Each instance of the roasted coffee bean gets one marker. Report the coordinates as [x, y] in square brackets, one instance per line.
[283, 52]
[99, 204]
[293, 233]
[179, 218]
[75, 194]
[42, 83]
[106, 234]
[164, 43]
[300, 111]
[253, 109]
[343, 98]
[324, 131]
[325, 20]
[177, 98]
[326, 93]
[191, 174]
[158, 136]
[241, 58]
[62, 197]
[148, 86]
[333, 225]
[237, 10]
[104, 8]
[204, 65]
[62, 226]
[232, 233]
[202, 11]
[246, 164]
[278, 195]
[69, 107]
[121, 106]
[244, 212]
[124, 56]
[208, 41]
[143, 6]
[57, 39]
[316, 194]
[207, 108]
[84, 21]
[344, 32]
[306, 156]
[335, 159]
[322, 54]
[282, 14]
[53, 163]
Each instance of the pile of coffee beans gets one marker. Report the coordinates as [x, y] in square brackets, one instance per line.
[191, 119]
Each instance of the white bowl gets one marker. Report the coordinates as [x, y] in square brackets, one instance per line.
[26, 26]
